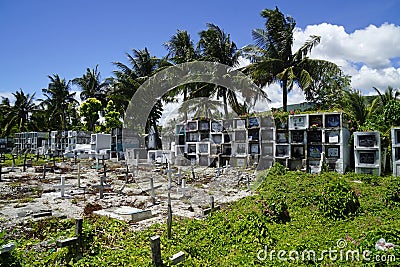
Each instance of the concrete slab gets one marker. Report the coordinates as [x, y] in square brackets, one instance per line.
[125, 213]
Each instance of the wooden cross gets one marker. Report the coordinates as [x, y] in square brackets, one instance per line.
[102, 186]
[169, 171]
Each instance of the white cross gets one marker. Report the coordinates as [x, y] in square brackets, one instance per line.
[169, 171]
[62, 186]
[179, 175]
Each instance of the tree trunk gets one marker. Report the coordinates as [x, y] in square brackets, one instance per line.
[184, 99]
[284, 95]
[225, 104]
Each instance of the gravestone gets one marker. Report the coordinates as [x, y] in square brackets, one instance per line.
[169, 172]
[125, 213]
[102, 186]
[62, 186]
[7, 248]
[179, 175]
[156, 250]
[212, 207]
[169, 217]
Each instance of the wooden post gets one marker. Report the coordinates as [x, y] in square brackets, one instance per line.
[169, 218]
[0, 171]
[79, 175]
[44, 171]
[179, 175]
[24, 167]
[248, 182]
[212, 202]
[78, 232]
[13, 162]
[193, 174]
[155, 250]
[153, 196]
[126, 173]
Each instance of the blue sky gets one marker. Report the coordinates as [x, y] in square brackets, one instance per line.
[41, 38]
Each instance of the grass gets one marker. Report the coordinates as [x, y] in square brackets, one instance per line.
[285, 214]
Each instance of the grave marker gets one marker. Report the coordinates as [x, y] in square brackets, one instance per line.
[218, 172]
[101, 187]
[7, 248]
[155, 250]
[193, 174]
[212, 207]
[76, 241]
[179, 175]
[178, 258]
[183, 186]
[169, 171]
[169, 217]
[152, 193]
[62, 186]
[79, 175]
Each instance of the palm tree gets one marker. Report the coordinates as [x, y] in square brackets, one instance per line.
[201, 107]
[57, 102]
[382, 99]
[273, 61]
[91, 85]
[181, 50]
[19, 114]
[356, 107]
[129, 78]
[216, 46]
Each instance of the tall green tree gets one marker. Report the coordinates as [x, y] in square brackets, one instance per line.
[18, 115]
[272, 59]
[112, 117]
[216, 46]
[57, 100]
[382, 99]
[181, 50]
[129, 78]
[356, 107]
[91, 85]
[89, 111]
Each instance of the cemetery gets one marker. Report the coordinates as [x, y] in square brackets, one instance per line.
[212, 166]
[179, 160]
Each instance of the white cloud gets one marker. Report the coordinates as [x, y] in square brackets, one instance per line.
[369, 55]
[7, 95]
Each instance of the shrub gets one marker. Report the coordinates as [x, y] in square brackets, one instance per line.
[277, 169]
[338, 201]
[392, 197]
[277, 210]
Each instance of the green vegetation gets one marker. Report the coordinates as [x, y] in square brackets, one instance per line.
[312, 212]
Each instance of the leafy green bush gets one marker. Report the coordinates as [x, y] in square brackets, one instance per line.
[338, 200]
[277, 210]
[392, 197]
[277, 169]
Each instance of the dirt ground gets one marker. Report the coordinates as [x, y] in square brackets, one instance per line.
[30, 195]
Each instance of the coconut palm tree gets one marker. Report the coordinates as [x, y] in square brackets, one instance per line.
[382, 99]
[57, 100]
[18, 115]
[356, 107]
[274, 62]
[91, 85]
[215, 45]
[181, 50]
[129, 78]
